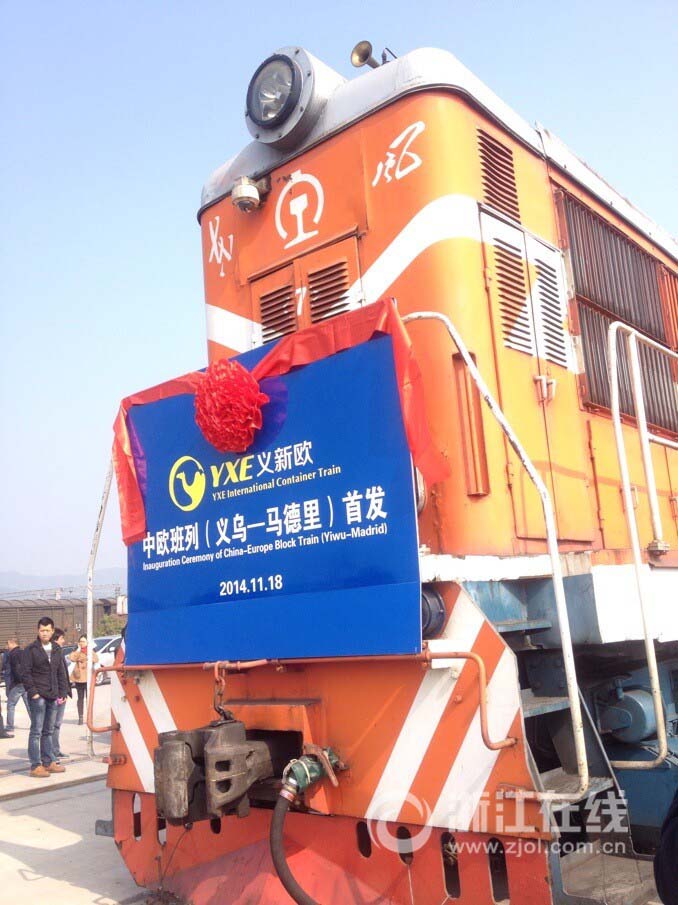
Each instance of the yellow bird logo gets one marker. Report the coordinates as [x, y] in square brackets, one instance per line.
[193, 490]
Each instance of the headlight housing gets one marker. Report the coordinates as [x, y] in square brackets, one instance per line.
[274, 91]
[287, 95]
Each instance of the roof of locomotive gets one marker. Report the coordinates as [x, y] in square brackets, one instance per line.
[420, 70]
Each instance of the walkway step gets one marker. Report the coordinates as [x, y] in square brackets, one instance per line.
[559, 781]
[537, 705]
[523, 625]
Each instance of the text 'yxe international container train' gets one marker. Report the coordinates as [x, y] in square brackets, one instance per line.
[403, 560]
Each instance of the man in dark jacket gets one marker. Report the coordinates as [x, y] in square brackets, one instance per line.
[14, 684]
[666, 859]
[60, 638]
[5, 733]
[5, 667]
[45, 683]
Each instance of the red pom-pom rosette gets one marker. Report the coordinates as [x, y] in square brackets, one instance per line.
[228, 405]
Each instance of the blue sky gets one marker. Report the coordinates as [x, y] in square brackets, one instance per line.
[114, 114]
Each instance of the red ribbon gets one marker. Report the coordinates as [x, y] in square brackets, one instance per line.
[297, 349]
[339, 333]
[132, 513]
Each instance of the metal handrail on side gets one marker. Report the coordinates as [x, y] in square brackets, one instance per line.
[557, 572]
[90, 593]
[427, 657]
[657, 546]
[113, 726]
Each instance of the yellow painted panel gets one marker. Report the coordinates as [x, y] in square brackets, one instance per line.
[672, 470]
[608, 483]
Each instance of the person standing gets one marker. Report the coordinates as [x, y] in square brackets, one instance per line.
[666, 859]
[15, 688]
[60, 638]
[43, 678]
[5, 666]
[80, 677]
[5, 733]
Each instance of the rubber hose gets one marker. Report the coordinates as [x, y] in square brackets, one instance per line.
[278, 855]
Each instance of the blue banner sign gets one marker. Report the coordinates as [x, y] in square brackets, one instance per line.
[304, 546]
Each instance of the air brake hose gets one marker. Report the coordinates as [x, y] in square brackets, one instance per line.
[282, 868]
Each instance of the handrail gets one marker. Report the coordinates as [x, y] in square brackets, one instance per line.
[90, 590]
[658, 545]
[507, 742]
[90, 703]
[552, 544]
[427, 656]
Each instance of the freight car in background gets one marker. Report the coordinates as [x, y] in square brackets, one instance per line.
[19, 616]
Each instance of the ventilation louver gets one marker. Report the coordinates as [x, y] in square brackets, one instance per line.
[549, 301]
[499, 177]
[328, 291]
[516, 314]
[616, 279]
[277, 313]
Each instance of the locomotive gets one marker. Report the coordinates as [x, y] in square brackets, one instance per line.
[420, 630]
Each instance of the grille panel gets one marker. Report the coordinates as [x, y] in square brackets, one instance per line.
[278, 317]
[328, 291]
[499, 177]
[549, 300]
[615, 279]
[661, 401]
[516, 314]
[613, 272]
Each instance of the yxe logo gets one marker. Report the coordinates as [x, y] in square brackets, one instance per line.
[187, 483]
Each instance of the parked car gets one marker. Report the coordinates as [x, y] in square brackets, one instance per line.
[66, 650]
[107, 648]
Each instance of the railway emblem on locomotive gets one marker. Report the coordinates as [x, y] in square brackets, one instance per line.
[187, 483]
[297, 209]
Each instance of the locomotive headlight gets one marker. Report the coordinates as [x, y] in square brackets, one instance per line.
[287, 95]
[274, 91]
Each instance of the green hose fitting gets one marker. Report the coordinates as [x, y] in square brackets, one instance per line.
[307, 770]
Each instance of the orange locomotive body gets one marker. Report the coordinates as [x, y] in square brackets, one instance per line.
[415, 181]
